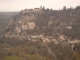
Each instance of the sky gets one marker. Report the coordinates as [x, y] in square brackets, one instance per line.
[17, 5]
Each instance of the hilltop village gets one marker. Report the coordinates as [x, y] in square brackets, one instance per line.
[45, 24]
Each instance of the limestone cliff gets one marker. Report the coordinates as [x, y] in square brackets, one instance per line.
[25, 20]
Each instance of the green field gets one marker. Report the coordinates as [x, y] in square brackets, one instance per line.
[12, 58]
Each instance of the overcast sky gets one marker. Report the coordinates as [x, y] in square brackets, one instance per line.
[17, 5]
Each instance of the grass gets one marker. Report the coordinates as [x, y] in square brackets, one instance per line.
[12, 58]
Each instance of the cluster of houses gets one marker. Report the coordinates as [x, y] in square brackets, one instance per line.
[41, 37]
[33, 38]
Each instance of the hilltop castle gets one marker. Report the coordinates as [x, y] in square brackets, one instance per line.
[37, 10]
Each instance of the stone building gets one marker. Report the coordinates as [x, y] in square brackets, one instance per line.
[26, 11]
[62, 37]
[68, 27]
[37, 9]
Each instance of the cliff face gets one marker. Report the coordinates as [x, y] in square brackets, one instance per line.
[24, 21]
[47, 21]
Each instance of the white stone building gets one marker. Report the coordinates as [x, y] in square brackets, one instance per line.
[62, 37]
[37, 9]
